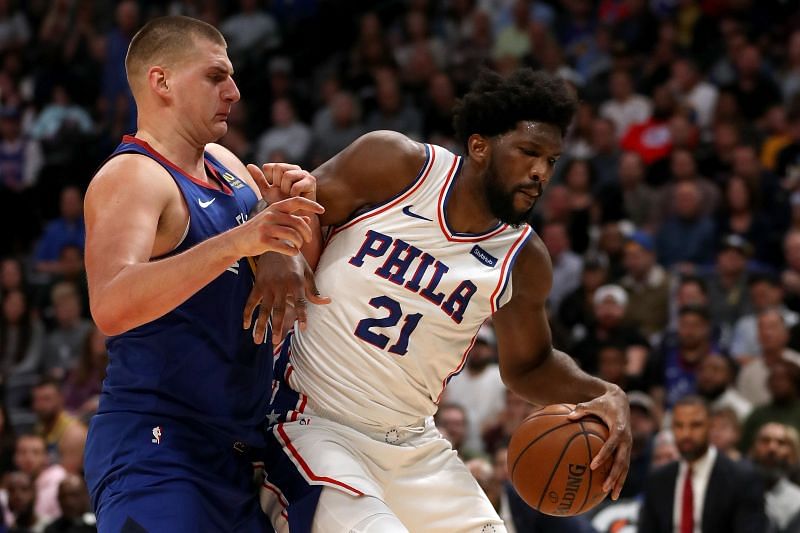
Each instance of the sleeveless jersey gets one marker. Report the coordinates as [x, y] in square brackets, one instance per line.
[408, 297]
[196, 363]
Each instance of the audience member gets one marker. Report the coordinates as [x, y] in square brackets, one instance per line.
[715, 379]
[784, 388]
[62, 345]
[725, 432]
[76, 515]
[704, 491]
[31, 458]
[771, 454]
[648, 286]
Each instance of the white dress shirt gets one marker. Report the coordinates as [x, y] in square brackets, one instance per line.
[701, 473]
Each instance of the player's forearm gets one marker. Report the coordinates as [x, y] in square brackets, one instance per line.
[557, 379]
[140, 293]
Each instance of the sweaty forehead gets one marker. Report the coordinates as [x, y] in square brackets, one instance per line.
[546, 136]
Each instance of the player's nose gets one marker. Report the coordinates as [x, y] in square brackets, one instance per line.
[231, 93]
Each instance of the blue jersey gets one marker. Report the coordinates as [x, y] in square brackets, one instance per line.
[196, 363]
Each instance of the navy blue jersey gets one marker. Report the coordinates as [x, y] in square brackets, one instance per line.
[196, 363]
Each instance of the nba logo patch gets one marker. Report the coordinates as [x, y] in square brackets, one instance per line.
[156, 435]
[483, 256]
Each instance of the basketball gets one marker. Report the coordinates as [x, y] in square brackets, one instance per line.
[549, 457]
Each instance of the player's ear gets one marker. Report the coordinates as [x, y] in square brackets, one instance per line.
[479, 148]
[157, 79]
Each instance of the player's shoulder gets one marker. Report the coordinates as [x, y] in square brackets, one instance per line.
[133, 168]
[533, 255]
[391, 147]
[533, 265]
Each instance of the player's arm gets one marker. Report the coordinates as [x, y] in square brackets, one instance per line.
[124, 207]
[532, 368]
[375, 167]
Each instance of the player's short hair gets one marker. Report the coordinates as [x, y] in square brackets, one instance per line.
[494, 105]
[166, 39]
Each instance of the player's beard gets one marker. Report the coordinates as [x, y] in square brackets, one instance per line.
[501, 201]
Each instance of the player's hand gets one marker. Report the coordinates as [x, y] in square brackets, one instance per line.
[612, 407]
[281, 281]
[278, 181]
[276, 229]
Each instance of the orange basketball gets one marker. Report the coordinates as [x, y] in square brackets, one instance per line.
[549, 457]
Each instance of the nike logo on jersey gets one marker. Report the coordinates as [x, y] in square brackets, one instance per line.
[407, 212]
[205, 204]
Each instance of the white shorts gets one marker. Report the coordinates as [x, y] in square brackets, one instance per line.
[413, 471]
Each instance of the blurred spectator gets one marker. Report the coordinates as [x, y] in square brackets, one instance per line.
[21, 160]
[740, 215]
[688, 235]
[693, 92]
[790, 77]
[704, 491]
[577, 308]
[715, 379]
[765, 293]
[21, 496]
[63, 343]
[71, 270]
[777, 138]
[67, 229]
[773, 337]
[651, 138]
[438, 112]
[418, 38]
[31, 458]
[647, 285]
[14, 29]
[393, 111]
[754, 88]
[727, 285]
[610, 302]
[639, 199]
[672, 368]
[579, 180]
[21, 343]
[76, 515]
[771, 453]
[249, 33]
[480, 378]
[567, 264]
[12, 277]
[683, 167]
[117, 99]
[287, 135]
[784, 388]
[61, 118]
[625, 108]
[611, 243]
[82, 384]
[725, 432]
[644, 426]
[451, 421]
[605, 159]
[337, 128]
[512, 40]
[53, 422]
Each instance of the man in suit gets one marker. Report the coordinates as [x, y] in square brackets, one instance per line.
[703, 492]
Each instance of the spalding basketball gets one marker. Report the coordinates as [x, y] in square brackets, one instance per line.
[549, 457]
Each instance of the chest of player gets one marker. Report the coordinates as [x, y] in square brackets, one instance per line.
[419, 270]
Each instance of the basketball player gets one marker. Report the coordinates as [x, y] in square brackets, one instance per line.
[167, 228]
[422, 247]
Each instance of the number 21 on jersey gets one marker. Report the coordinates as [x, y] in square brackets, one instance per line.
[364, 328]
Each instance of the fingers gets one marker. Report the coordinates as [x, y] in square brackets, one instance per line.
[306, 186]
[278, 312]
[260, 328]
[260, 179]
[311, 291]
[579, 412]
[294, 237]
[290, 205]
[619, 472]
[300, 303]
[275, 171]
[249, 308]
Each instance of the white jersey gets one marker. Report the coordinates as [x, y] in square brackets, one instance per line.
[408, 297]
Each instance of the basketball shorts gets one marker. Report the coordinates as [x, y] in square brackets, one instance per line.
[150, 474]
[412, 470]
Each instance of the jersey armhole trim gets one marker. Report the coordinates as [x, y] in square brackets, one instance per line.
[499, 296]
[416, 183]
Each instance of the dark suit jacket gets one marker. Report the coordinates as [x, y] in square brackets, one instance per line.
[734, 500]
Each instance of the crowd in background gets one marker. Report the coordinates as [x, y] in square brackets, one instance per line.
[672, 222]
